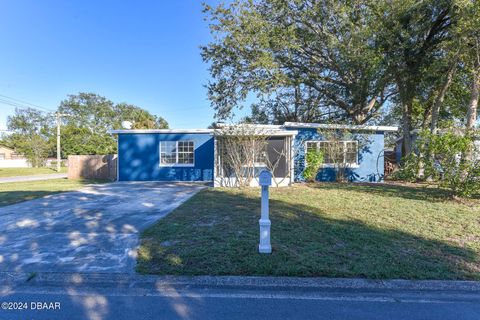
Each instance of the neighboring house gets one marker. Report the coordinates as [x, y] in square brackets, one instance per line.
[8, 154]
[191, 155]
[10, 159]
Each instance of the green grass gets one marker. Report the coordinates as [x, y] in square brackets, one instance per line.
[13, 172]
[11, 193]
[333, 230]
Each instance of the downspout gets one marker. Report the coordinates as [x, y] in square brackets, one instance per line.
[214, 161]
[292, 160]
[118, 158]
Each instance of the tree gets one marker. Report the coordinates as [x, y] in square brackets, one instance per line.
[239, 149]
[304, 60]
[411, 34]
[141, 118]
[89, 117]
[31, 134]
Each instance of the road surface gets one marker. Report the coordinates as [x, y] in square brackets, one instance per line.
[72, 302]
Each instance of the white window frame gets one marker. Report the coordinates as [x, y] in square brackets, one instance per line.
[332, 165]
[176, 164]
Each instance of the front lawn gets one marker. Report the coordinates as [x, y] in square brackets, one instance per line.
[333, 230]
[14, 192]
[14, 172]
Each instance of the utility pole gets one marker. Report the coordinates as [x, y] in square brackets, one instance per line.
[59, 115]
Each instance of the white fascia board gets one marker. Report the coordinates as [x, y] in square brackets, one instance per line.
[268, 133]
[273, 132]
[161, 131]
[250, 125]
[339, 126]
[284, 133]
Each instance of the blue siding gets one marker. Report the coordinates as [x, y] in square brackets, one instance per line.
[370, 157]
[139, 157]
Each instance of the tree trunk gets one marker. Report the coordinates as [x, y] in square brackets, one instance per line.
[406, 128]
[473, 105]
[440, 97]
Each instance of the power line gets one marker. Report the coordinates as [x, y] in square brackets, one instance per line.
[21, 103]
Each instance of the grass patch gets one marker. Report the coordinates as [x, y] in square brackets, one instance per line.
[14, 192]
[333, 230]
[14, 172]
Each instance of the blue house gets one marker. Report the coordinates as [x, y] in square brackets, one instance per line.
[165, 155]
[192, 155]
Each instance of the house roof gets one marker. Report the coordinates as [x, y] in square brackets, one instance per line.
[338, 126]
[272, 130]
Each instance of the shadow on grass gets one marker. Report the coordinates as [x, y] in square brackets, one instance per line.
[424, 193]
[216, 233]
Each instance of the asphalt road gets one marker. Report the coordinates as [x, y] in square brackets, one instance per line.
[211, 303]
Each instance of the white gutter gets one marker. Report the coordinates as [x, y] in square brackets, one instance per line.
[272, 132]
[339, 126]
[161, 131]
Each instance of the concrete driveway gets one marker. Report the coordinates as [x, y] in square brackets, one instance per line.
[95, 229]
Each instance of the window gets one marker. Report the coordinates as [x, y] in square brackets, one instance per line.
[336, 152]
[176, 153]
[2, 156]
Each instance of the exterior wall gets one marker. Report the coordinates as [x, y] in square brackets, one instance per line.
[139, 157]
[20, 163]
[370, 157]
[9, 154]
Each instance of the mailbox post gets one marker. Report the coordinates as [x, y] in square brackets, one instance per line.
[265, 180]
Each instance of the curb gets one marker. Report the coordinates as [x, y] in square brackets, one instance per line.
[123, 280]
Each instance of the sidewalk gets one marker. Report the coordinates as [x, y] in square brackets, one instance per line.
[127, 280]
[130, 296]
[34, 177]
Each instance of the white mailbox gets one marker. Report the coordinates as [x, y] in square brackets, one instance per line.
[265, 180]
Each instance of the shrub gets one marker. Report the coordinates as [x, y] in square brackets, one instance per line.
[314, 162]
[445, 158]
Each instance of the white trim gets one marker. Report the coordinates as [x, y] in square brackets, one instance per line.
[275, 131]
[268, 133]
[161, 131]
[176, 164]
[346, 165]
[338, 126]
[251, 125]
[332, 165]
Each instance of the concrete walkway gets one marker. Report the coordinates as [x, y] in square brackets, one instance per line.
[33, 177]
[94, 229]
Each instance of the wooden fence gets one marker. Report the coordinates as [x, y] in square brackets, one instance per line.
[93, 167]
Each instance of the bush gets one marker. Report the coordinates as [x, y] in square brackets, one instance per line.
[445, 158]
[314, 162]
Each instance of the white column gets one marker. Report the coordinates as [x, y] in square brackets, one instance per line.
[264, 246]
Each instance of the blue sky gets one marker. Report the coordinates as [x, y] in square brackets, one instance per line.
[141, 52]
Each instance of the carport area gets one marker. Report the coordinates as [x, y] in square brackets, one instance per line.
[95, 229]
